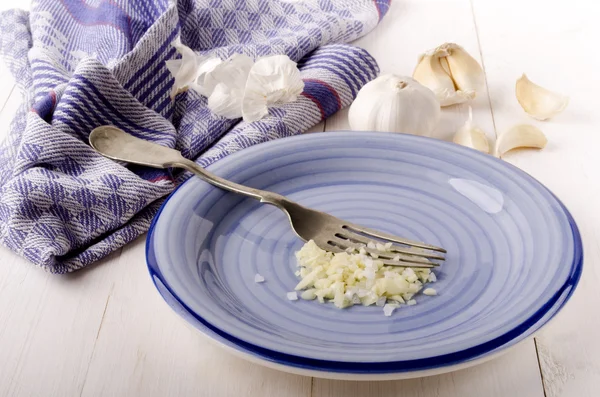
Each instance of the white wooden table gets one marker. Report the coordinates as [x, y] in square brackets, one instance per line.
[104, 331]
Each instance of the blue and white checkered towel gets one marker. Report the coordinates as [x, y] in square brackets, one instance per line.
[85, 63]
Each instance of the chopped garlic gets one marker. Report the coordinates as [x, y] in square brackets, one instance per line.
[430, 291]
[388, 309]
[293, 296]
[411, 302]
[258, 278]
[309, 294]
[396, 298]
[346, 279]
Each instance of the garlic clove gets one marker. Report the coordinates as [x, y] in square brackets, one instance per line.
[451, 73]
[520, 136]
[466, 72]
[184, 71]
[472, 136]
[538, 102]
[274, 79]
[395, 104]
[431, 74]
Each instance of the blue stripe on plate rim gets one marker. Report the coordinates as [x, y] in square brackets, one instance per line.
[528, 327]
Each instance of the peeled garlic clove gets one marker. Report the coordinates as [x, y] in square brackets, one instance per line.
[519, 136]
[274, 79]
[538, 102]
[451, 73]
[472, 136]
[184, 71]
[395, 104]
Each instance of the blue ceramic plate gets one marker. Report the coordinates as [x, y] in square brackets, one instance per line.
[514, 254]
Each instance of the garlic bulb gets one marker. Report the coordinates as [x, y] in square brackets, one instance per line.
[472, 136]
[395, 104]
[538, 102]
[519, 136]
[451, 73]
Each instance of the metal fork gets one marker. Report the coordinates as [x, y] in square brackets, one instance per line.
[328, 232]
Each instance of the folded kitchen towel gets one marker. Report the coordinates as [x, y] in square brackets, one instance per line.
[84, 63]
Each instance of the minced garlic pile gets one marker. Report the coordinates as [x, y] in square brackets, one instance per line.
[355, 277]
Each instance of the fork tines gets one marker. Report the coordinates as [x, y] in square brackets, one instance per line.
[409, 253]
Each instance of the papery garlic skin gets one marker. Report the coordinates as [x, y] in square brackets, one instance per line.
[451, 73]
[226, 101]
[520, 136]
[537, 101]
[228, 81]
[237, 87]
[205, 83]
[470, 135]
[204, 65]
[184, 71]
[274, 79]
[395, 104]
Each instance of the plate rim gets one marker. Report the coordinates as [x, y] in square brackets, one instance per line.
[502, 342]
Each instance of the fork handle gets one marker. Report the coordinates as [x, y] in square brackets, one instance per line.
[261, 195]
[117, 144]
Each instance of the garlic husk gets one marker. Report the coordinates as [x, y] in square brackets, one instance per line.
[451, 73]
[537, 101]
[236, 87]
[520, 136]
[205, 83]
[184, 71]
[204, 66]
[395, 104]
[173, 66]
[470, 135]
[226, 101]
[228, 81]
[272, 80]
